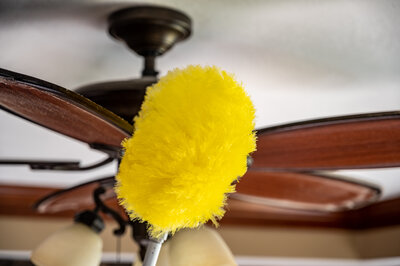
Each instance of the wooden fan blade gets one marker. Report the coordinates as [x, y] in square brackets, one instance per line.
[299, 191]
[61, 110]
[349, 142]
[18, 200]
[303, 191]
[77, 197]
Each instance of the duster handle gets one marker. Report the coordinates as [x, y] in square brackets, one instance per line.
[153, 249]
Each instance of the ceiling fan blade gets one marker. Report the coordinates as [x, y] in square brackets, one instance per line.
[300, 191]
[61, 110]
[18, 200]
[348, 142]
[303, 191]
[77, 197]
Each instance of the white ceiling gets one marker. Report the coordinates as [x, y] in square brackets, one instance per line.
[297, 59]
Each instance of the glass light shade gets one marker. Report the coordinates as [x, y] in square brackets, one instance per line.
[77, 245]
[199, 247]
[194, 247]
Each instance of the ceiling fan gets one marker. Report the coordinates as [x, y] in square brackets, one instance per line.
[284, 172]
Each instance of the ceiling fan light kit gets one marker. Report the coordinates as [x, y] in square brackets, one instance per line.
[183, 127]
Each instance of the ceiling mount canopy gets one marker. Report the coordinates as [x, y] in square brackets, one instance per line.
[149, 30]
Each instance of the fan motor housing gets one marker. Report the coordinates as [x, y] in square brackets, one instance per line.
[123, 98]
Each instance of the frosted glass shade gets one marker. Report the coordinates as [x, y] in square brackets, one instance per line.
[77, 245]
[199, 247]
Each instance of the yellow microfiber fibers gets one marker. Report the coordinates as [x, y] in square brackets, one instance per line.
[191, 141]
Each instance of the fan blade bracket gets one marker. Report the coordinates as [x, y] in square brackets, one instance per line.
[111, 151]
[57, 165]
[43, 165]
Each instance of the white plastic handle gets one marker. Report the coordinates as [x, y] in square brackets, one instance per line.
[153, 249]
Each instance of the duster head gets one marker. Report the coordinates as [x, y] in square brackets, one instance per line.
[191, 141]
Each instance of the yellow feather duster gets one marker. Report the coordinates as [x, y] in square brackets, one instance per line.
[191, 141]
